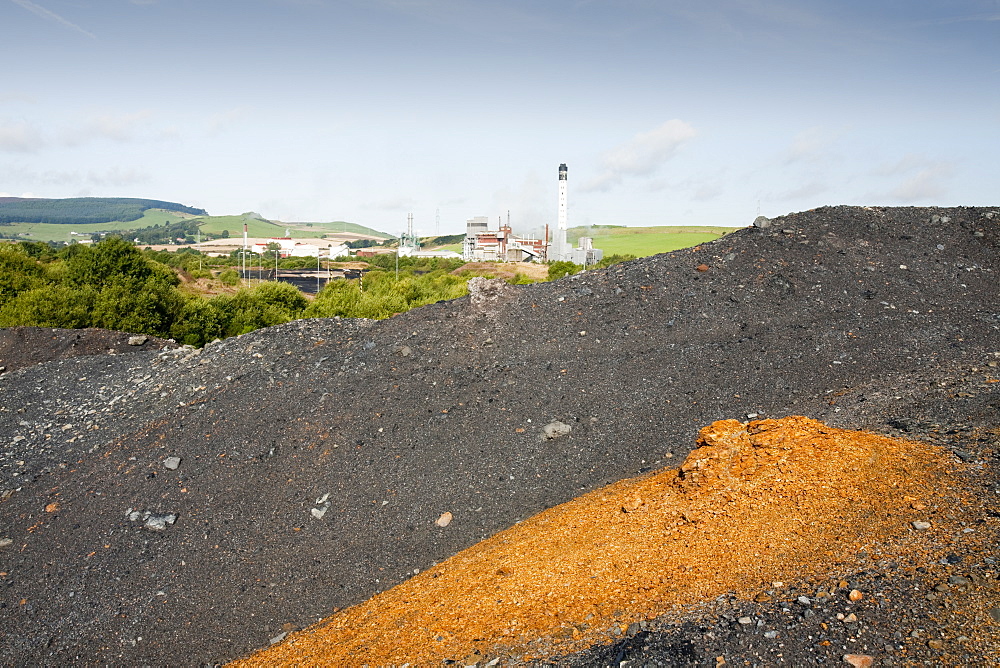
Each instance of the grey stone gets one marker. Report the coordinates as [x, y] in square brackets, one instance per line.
[137, 340]
[159, 521]
[745, 620]
[995, 614]
[763, 222]
[920, 525]
[172, 463]
[6, 542]
[278, 638]
[556, 429]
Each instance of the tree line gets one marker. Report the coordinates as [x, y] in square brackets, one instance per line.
[115, 285]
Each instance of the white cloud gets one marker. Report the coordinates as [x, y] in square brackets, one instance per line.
[116, 176]
[401, 203]
[808, 146]
[121, 128]
[20, 138]
[642, 155]
[52, 16]
[72, 178]
[927, 183]
[220, 122]
[917, 178]
[804, 191]
[13, 97]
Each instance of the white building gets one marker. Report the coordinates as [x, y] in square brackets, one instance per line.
[291, 248]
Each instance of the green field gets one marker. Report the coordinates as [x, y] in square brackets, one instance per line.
[643, 241]
[335, 227]
[61, 232]
[256, 227]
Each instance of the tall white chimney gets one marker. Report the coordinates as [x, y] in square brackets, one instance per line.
[562, 197]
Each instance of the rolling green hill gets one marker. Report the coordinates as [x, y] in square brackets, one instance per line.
[68, 232]
[259, 227]
[83, 210]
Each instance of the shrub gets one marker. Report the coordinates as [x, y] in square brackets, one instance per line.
[229, 277]
[50, 306]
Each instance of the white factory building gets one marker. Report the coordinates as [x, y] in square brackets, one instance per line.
[502, 245]
[292, 248]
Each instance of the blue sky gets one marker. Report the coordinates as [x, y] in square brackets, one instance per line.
[666, 112]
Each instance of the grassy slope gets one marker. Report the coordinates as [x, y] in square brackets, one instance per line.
[255, 226]
[59, 232]
[644, 241]
[311, 229]
[263, 228]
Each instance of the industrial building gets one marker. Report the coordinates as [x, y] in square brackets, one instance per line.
[502, 245]
[292, 248]
[409, 245]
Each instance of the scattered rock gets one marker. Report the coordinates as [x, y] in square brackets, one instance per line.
[920, 525]
[860, 660]
[159, 521]
[137, 340]
[556, 429]
[444, 520]
[762, 222]
[855, 596]
[171, 463]
[6, 542]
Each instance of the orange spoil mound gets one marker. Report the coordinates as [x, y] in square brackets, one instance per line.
[769, 500]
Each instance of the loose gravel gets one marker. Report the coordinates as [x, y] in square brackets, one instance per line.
[316, 460]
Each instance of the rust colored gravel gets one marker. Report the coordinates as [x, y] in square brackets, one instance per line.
[756, 503]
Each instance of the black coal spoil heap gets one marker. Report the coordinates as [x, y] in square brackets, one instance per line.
[184, 506]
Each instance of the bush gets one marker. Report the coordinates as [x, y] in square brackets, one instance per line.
[198, 322]
[229, 277]
[18, 272]
[50, 306]
[113, 258]
[563, 268]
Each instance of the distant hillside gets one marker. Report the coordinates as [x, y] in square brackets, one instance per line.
[83, 210]
[337, 227]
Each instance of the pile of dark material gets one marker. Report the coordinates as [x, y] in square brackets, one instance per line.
[187, 506]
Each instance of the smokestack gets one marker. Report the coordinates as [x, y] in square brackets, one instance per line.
[562, 196]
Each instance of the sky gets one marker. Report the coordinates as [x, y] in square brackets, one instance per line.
[666, 112]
